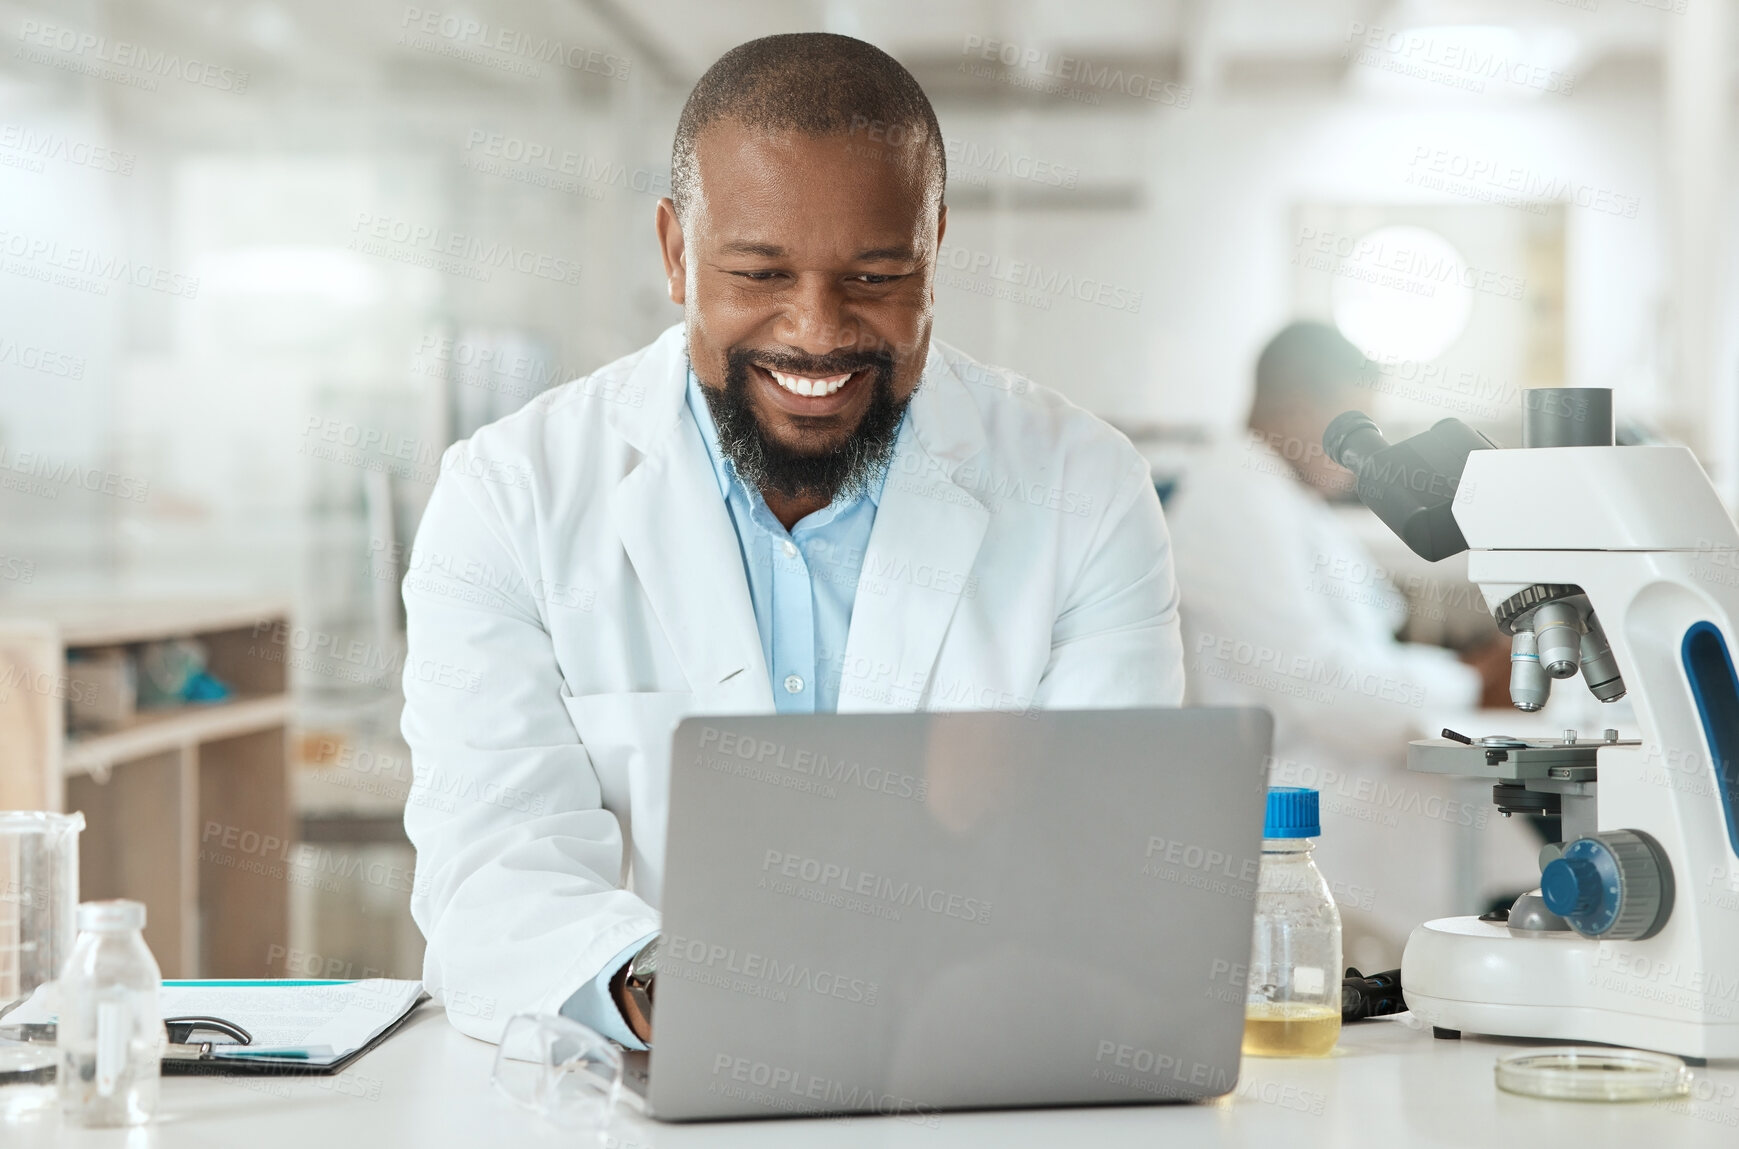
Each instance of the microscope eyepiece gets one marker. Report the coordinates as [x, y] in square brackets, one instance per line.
[1410, 485]
[1351, 439]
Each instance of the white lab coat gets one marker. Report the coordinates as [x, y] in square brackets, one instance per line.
[577, 587]
[1283, 607]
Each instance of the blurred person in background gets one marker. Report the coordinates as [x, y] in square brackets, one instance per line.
[1283, 607]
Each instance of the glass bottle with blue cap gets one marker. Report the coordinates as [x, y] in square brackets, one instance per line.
[1292, 1006]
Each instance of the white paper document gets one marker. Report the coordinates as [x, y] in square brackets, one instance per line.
[341, 1017]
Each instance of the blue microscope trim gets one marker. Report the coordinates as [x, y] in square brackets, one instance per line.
[1715, 688]
[1583, 887]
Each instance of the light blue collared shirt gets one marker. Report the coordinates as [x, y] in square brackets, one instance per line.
[802, 584]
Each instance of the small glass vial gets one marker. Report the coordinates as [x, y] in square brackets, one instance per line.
[110, 1033]
[1292, 1007]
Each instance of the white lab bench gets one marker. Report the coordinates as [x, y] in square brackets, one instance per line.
[1390, 1084]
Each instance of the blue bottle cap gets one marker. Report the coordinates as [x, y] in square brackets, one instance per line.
[1292, 813]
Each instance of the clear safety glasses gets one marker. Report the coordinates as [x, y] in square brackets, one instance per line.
[559, 1069]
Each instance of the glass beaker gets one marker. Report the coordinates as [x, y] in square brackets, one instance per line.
[38, 909]
[38, 899]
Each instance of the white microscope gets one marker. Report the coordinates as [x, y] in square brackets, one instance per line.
[1620, 563]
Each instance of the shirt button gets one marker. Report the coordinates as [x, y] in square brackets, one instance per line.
[793, 684]
[790, 549]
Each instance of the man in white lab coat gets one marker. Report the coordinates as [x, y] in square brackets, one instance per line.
[796, 500]
[1284, 608]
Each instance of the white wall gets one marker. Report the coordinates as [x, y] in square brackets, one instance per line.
[1187, 208]
[1209, 249]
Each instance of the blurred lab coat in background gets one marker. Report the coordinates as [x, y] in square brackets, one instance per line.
[1283, 607]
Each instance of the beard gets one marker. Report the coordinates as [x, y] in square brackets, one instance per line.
[845, 469]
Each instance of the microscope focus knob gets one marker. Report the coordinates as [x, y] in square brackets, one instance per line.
[1616, 885]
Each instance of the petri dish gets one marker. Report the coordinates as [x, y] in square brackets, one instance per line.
[1594, 1073]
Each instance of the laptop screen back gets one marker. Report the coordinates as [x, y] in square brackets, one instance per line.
[909, 913]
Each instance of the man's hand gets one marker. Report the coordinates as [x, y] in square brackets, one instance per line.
[630, 1003]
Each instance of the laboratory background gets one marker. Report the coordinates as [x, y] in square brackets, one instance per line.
[262, 262]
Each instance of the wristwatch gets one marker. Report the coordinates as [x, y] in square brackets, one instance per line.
[639, 976]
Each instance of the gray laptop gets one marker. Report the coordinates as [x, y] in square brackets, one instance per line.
[903, 914]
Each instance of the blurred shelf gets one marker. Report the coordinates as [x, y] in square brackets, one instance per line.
[178, 801]
[156, 731]
[112, 622]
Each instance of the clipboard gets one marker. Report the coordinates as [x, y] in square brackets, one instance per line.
[197, 1059]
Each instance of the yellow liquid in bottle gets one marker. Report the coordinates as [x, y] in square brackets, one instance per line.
[1290, 1029]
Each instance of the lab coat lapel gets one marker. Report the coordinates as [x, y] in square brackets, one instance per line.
[926, 537]
[678, 535]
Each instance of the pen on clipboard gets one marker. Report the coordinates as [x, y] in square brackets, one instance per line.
[285, 1053]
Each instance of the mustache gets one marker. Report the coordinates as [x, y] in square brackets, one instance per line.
[795, 363]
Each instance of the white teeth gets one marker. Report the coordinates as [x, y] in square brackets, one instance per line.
[803, 385]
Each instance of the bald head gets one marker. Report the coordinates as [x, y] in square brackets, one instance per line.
[814, 84]
[801, 239]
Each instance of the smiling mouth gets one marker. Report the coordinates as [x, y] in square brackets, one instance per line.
[809, 385]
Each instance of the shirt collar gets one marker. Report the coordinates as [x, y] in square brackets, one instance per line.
[727, 474]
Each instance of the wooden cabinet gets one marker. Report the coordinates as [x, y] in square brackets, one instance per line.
[187, 807]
